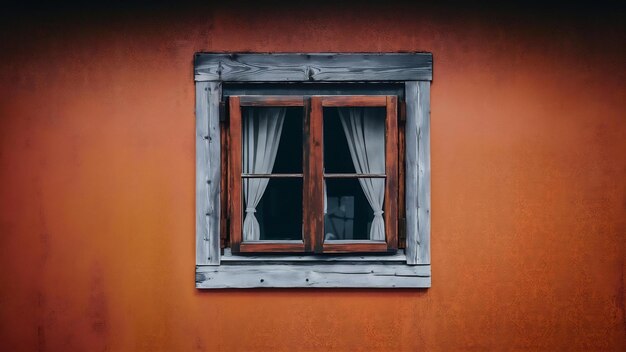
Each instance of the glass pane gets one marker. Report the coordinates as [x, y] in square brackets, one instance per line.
[278, 212]
[272, 139]
[348, 214]
[354, 140]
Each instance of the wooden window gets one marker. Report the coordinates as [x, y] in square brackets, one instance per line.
[312, 250]
[313, 236]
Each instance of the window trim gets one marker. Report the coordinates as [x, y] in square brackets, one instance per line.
[408, 268]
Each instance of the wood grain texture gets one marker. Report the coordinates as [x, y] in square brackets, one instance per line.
[354, 100]
[234, 182]
[411, 133]
[391, 169]
[391, 173]
[300, 274]
[314, 208]
[302, 67]
[208, 173]
[423, 172]
[271, 247]
[398, 257]
[355, 246]
[271, 100]
[417, 131]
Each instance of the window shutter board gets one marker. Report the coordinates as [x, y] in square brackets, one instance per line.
[418, 173]
[208, 173]
[423, 176]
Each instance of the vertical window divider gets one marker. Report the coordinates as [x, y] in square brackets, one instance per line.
[314, 225]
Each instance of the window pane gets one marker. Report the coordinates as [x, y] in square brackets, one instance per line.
[354, 140]
[272, 140]
[278, 212]
[349, 215]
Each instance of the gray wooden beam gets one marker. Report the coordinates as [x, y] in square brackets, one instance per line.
[418, 172]
[208, 173]
[313, 67]
[312, 275]
[423, 175]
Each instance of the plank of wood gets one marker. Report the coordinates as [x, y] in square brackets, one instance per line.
[207, 173]
[355, 246]
[411, 133]
[234, 182]
[391, 169]
[271, 100]
[312, 275]
[423, 169]
[272, 247]
[354, 100]
[417, 131]
[398, 257]
[302, 67]
[314, 183]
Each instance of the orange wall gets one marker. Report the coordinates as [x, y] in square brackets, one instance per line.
[97, 175]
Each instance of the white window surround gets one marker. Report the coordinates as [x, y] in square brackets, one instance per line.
[409, 268]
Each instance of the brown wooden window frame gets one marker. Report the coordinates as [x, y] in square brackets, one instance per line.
[313, 175]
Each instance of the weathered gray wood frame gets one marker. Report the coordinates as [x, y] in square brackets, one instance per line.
[409, 268]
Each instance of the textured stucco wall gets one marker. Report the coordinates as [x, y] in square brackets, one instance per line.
[97, 181]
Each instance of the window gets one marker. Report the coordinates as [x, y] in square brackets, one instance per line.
[311, 174]
[321, 182]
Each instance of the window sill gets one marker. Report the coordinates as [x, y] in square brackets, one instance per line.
[361, 271]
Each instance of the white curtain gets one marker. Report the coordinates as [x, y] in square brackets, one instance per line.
[261, 135]
[365, 132]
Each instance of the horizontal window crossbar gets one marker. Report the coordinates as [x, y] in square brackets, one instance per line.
[355, 175]
[271, 175]
[272, 246]
[260, 100]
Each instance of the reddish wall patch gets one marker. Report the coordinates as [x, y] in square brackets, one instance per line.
[528, 184]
